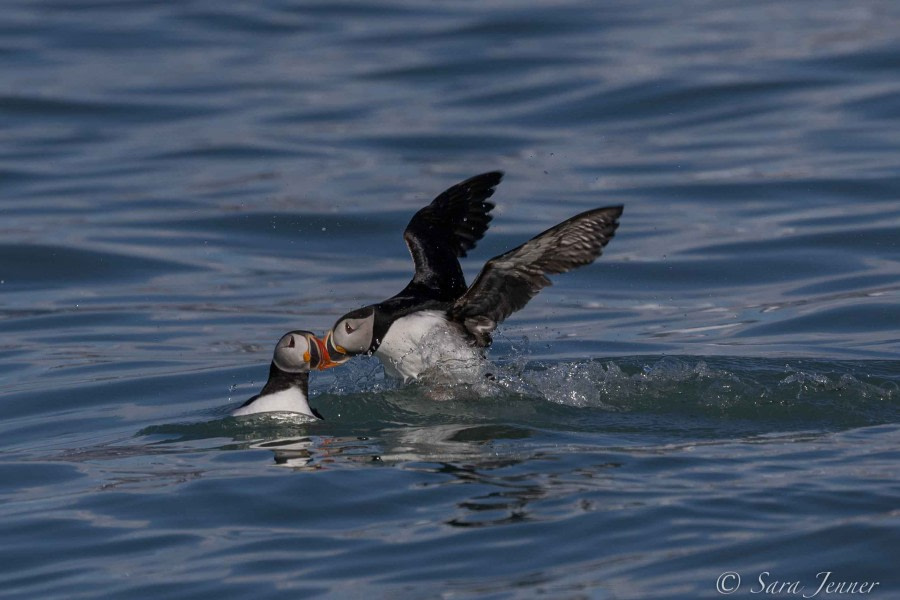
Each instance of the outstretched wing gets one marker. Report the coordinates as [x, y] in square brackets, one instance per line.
[507, 282]
[445, 230]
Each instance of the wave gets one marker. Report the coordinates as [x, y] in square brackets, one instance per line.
[707, 396]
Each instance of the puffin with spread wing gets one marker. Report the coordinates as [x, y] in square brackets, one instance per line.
[439, 324]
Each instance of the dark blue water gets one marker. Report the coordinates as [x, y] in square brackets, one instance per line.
[181, 183]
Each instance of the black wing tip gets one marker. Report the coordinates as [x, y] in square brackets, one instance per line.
[476, 192]
[494, 177]
[483, 185]
[612, 213]
[615, 211]
[607, 218]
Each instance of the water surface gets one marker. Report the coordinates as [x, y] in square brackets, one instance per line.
[182, 183]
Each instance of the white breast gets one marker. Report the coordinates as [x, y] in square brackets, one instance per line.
[289, 400]
[424, 343]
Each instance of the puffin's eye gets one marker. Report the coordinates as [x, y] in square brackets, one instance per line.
[291, 343]
[347, 327]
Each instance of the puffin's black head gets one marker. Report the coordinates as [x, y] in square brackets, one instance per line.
[353, 334]
[298, 352]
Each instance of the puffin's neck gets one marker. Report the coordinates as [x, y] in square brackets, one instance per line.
[281, 380]
[283, 392]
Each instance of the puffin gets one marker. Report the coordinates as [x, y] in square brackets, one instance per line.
[438, 235]
[287, 389]
[438, 327]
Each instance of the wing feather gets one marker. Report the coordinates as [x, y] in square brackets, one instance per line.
[442, 232]
[507, 282]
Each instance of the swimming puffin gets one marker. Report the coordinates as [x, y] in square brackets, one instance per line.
[287, 389]
[440, 326]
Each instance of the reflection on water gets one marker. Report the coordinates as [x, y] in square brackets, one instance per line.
[435, 444]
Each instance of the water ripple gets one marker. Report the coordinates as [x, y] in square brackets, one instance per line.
[181, 185]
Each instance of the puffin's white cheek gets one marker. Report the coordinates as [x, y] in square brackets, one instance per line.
[293, 359]
[359, 341]
[344, 339]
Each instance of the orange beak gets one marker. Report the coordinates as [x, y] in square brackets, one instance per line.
[326, 362]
